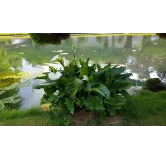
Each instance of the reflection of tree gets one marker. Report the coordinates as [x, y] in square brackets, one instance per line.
[105, 42]
[5, 42]
[7, 61]
[128, 42]
[137, 42]
[82, 39]
[120, 41]
[98, 39]
[140, 65]
[4, 60]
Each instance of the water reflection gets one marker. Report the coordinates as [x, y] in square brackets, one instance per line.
[144, 56]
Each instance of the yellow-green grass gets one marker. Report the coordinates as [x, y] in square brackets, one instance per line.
[26, 35]
[27, 121]
[11, 34]
[29, 117]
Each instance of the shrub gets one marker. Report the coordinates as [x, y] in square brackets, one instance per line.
[154, 84]
[79, 85]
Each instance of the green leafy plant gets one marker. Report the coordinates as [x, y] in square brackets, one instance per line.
[80, 85]
[9, 97]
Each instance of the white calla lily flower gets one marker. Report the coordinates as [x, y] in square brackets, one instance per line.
[66, 62]
[85, 78]
[55, 58]
[56, 93]
[54, 76]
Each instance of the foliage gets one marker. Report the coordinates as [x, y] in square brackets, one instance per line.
[9, 97]
[147, 108]
[8, 61]
[154, 84]
[49, 38]
[4, 60]
[79, 85]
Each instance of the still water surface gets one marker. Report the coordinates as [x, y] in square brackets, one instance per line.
[144, 56]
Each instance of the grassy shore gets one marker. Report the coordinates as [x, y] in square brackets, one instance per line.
[26, 35]
[147, 109]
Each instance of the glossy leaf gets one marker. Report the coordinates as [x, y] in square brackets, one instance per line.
[94, 103]
[70, 104]
[101, 89]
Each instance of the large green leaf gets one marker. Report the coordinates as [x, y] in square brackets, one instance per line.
[80, 101]
[124, 93]
[94, 103]
[44, 85]
[101, 89]
[110, 102]
[120, 85]
[122, 76]
[42, 77]
[77, 85]
[62, 81]
[89, 85]
[102, 70]
[72, 69]
[70, 104]
[117, 70]
[73, 86]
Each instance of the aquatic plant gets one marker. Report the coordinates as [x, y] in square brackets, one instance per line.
[9, 97]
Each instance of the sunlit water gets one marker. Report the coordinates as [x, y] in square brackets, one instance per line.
[144, 56]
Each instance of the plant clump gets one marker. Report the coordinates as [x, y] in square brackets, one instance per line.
[79, 85]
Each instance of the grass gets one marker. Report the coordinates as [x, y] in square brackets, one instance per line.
[148, 108]
[27, 121]
[145, 109]
[12, 114]
[30, 117]
[36, 117]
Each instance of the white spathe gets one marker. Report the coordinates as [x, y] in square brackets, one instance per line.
[55, 58]
[85, 78]
[65, 62]
[56, 93]
[54, 76]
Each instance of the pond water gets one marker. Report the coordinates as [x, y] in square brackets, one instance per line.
[142, 55]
